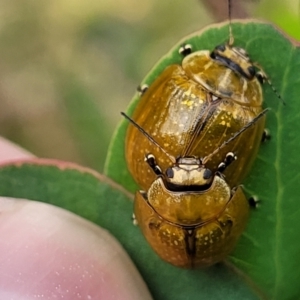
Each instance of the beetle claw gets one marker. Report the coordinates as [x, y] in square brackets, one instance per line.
[230, 157]
[254, 201]
[185, 49]
[141, 89]
[150, 159]
[134, 220]
[266, 136]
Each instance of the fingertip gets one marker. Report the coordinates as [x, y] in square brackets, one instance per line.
[50, 252]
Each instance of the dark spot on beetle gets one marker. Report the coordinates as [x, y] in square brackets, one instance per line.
[252, 71]
[230, 157]
[266, 136]
[260, 77]
[207, 174]
[221, 167]
[153, 225]
[213, 55]
[253, 201]
[142, 89]
[157, 170]
[220, 48]
[170, 173]
[185, 49]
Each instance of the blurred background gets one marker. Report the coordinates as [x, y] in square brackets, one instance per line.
[68, 67]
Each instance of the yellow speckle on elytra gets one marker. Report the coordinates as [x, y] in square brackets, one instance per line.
[188, 103]
[223, 123]
[187, 93]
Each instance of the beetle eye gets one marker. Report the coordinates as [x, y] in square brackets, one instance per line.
[261, 78]
[207, 174]
[220, 48]
[170, 173]
[252, 71]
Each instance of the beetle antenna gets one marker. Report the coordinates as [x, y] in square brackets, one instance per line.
[231, 38]
[263, 77]
[238, 133]
[150, 138]
[275, 91]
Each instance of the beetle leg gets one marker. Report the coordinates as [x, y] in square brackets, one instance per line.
[185, 49]
[253, 201]
[265, 136]
[230, 157]
[134, 220]
[150, 159]
[142, 89]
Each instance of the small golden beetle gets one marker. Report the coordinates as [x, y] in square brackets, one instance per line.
[190, 215]
[195, 223]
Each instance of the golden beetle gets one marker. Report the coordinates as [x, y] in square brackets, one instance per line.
[190, 215]
[191, 218]
[192, 108]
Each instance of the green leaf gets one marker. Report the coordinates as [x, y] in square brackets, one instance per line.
[84, 119]
[269, 250]
[95, 197]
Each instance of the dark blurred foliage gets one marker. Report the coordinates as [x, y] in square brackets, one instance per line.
[67, 68]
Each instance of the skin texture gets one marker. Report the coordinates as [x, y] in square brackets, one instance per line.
[49, 253]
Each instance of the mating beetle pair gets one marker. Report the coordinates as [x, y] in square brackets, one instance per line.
[207, 112]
